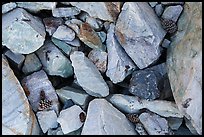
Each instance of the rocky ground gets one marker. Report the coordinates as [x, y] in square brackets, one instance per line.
[101, 68]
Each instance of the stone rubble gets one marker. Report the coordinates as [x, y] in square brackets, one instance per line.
[51, 24]
[64, 33]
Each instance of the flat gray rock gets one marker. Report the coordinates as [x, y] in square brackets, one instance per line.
[69, 119]
[159, 9]
[88, 76]
[166, 43]
[8, 7]
[22, 32]
[76, 42]
[51, 24]
[119, 64]
[64, 33]
[53, 61]
[174, 123]
[47, 120]
[139, 31]
[17, 115]
[104, 119]
[93, 22]
[172, 12]
[153, 4]
[65, 12]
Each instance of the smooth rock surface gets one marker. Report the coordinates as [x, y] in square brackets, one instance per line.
[33, 84]
[69, 119]
[166, 43]
[174, 123]
[47, 120]
[31, 64]
[139, 31]
[172, 12]
[76, 42]
[119, 64]
[159, 9]
[17, 115]
[172, 3]
[73, 26]
[102, 36]
[51, 24]
[93, 23]
[184, 63]
[65, 12]
[64, 33]
[22, 32]
[8, 7]
[53, 61]
[104, 119]
[88, 75]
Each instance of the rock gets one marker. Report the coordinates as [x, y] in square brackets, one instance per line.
[102, 10]
[57, 131]
[102, 36]
[65, 3]
[99, 58]
[172, 12]
[104, 119]
[106, 25]
[16, 59]
[17, 21]
[89, 37]
[75, 42]
[154, 124]
[65, 12]
[153, 4]
[64, 33]
[68, 103]
[47, 120]
[93, 23]
[79, 97]
[37, 6]
[119, 64]
[35, 83]
[53, 61]
[31, 64]
[88, 76]
[8, 7]
[132, 104]
[51, 24]
[190, 126]
[159, 9]
[182, 131]
[69, 119]
[165, 43]
[76, 132]
[73, 26]
[17, 115]
[185, 66]
[143, 31]
[144, 84]
[174, 123]
[140, 129]
[172, 3]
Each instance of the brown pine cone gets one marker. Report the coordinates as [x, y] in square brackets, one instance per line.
[169, 25]
[133, 118]
[44, 104]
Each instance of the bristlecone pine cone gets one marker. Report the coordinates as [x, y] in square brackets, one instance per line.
[169, 25]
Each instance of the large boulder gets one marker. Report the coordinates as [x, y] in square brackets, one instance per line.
[184, 63]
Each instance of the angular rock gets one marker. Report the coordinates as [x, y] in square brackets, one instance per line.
[64, 33]
[104, 119]
[153, 4]
[174, 123]
[184, 63]
[140, 129]
[73, 26]
[88, 76]
[79, 97]
[57, 131]
[53, 61]
[34, 84]
[165, 43]
[16, 59]
[65, 12]
[190, 126]
[99, 58]
[17, 115]
[102, 10]
[68, 103]
[90, 37]
[140, 33]
[132, 104]
[172, 12]
[31, 64]
[154, 124]
[75, 42]
[102, 36]
[8, 7]
[47, 120]
[37, 6]
[22, 32]
[51, 24]
[69, 119]
[182, 131]
[93, 23]
[172, 3]
[119, 64]
[159, 9]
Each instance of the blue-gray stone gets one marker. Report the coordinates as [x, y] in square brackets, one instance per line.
[65, 11]
[51, 24]
[68, 103]
[64, 33]
[8, 7]
[172, 12]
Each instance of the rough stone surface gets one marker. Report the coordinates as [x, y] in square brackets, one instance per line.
[51, 24]
[174, 123]
[99, 58]
[8, 7]
[33, 84]
[22, 32]
[104, 119]
[119, 64]
[37, 6]
[53, 61]
[65, 12]
[47, 120]
[31, 64]
[17, 115]
[154, 124]
[159, 9]
[172, 12]
[165, 43]
[64, 33]
[140, 129]
[88, 75]
[69, 119]
[139, 31]
[102, 10]
[73, 26]
[184, 63]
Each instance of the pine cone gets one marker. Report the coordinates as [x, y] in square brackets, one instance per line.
[169, 25]
[44, 104]
[133, 118]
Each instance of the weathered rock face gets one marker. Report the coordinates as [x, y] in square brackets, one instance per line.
[17, 115]
[8, 7]
[140, 33]
[184, 62]
[104, 119]
[22, 32]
